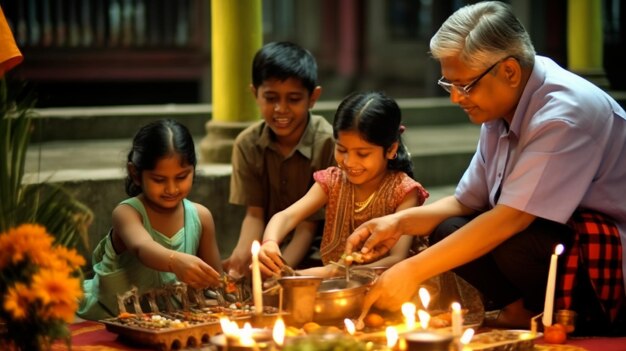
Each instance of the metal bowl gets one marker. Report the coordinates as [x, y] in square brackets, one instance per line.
[337, 298]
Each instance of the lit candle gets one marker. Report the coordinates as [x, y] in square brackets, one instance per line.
[257, 290]
[408, 311]
[245, 336]
[424, 298]
[466, 338]
[278, 333]
[350, 327]
[457, 320]
[392, 337]
[549, 302]
[424, 318]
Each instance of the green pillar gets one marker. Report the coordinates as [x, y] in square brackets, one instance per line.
[584, 36]
[236, 35]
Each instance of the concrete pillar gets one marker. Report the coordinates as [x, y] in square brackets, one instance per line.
[584, 36]
[236, 35]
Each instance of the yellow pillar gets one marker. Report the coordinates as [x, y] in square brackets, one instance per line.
[236, 35]
[584, 36]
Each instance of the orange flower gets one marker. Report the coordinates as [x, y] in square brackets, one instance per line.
[18, 299]
[27, 240]
[39, 282]
[53, 287]
[72, 257]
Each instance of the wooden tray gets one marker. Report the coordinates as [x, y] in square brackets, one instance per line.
[164, 339]
[504, 340]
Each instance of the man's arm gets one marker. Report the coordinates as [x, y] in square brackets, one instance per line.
[380, 234]
[469, 242]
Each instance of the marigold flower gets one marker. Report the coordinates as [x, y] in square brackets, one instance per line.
[39, 282]
[70, 256]
[52, 286]
[17, 301]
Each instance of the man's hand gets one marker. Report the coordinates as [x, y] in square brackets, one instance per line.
[392, 289]
[377, 235]
[236, 265]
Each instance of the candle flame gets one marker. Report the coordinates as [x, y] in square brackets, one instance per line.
[424, 297]
[408, 311]
[456, 306]
[278, 333]
[245, 335]
[424, 318]
[559, 249]
[350, 327]
[256, 247]
[230, 329]
[392, 336]
[467, 336]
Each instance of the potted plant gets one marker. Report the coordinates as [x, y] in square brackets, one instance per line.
[40, 227]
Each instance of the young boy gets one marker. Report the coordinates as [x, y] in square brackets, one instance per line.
[274, 159]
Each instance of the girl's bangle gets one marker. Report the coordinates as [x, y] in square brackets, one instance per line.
[268, 241]
[169, 263]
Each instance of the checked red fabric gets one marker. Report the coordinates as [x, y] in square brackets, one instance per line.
[597, 248]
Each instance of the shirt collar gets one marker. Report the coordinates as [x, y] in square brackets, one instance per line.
[537, 76]
[304, 146]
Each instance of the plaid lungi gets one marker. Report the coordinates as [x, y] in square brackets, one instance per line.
[596, 247]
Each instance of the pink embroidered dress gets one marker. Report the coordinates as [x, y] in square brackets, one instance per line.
[342, 216]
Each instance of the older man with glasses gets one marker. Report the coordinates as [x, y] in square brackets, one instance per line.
[550, 168]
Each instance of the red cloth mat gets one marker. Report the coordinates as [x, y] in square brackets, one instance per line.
[93, 336]
[589, 344]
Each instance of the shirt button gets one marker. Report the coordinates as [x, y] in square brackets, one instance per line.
[283, 182]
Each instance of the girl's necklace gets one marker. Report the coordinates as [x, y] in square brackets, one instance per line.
[359, 206]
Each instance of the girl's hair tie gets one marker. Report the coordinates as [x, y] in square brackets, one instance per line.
[401, 129]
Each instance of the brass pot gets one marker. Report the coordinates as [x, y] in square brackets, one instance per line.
[337, 299]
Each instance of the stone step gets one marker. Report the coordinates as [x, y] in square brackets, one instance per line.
[121, 122]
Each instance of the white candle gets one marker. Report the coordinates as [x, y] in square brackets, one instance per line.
[350, 327]
[424, 318]
[392, 337]
[278, 333]
[257, 289]
[408, 311]
[457, 320]
[424, 297]
[549, 302]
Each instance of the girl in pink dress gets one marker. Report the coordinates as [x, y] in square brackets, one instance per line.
[373, 179]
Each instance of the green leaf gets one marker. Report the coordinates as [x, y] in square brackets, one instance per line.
[47, 204]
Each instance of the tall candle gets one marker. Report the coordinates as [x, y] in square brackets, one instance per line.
[408, 311]
[549, 301]
[457, 320]
[257, 289]
[424, 297]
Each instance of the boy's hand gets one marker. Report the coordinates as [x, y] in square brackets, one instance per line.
[236, 265]
[193, 271]
[270, 259]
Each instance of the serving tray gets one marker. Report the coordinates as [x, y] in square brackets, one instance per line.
[504, 340]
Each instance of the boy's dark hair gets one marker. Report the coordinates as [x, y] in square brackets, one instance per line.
[284, 60]
[157, 140]
[376, 117]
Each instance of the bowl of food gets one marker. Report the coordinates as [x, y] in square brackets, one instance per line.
[338, 298]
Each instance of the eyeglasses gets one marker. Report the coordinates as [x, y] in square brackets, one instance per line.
[465, 89]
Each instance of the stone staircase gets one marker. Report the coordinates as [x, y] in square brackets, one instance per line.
[84, 149]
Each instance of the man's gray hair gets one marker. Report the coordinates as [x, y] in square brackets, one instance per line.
[481, 34]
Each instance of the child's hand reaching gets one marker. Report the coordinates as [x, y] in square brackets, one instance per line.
[193, 271]
[270, 259]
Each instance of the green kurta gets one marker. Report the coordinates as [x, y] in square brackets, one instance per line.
[119, 273]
